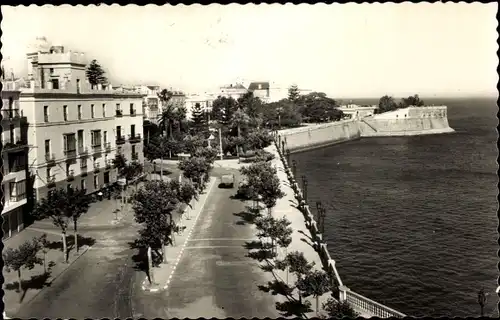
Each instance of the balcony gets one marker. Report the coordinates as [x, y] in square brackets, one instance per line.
[10, 114]
[11, 147]
[17, 197]
[119, 113]
[70, 153]
[83, 151]
[50, 158]
[135, 156]
[17, 168]
[120, 140]
[107, 145]
[109, 164]
[70, 175]
[133, 113]
[97, 147]
[97, 168]
[134, 138]
[51, 181]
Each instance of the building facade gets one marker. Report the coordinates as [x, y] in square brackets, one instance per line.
[15, 185]
[205, 100]
[260, 90]
[150, 103]
[234, 91]
[77, 128]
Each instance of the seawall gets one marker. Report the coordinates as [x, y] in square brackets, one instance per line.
[402, 122]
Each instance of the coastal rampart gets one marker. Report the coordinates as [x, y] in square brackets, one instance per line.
[402, 122]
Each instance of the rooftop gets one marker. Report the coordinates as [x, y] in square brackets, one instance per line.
[258, 86]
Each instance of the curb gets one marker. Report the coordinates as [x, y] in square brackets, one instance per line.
[202, 206]
[53, 279]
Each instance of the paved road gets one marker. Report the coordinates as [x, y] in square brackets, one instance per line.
[213, 277]
[97, 285]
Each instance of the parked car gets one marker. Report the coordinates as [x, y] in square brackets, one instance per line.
[228, 181]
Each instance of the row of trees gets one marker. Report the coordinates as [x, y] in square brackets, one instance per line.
[159, 204]
[263, 185]
[388, 103]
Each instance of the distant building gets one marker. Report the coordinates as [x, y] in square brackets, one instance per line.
[77, 129]
[205, 100]
[260, 90]
[16, 186]
[150, 103]
[235, 91]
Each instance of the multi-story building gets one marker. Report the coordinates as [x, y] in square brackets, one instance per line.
[15, 183]
[205, 101]
[260, 90]
[77, 128]
[235, 91]
[150, 103]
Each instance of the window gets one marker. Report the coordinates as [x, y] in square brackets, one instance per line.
[47, 147]
[133, 149]
[55, 83]
[51, 70]
[118, 131]
[106, 177]
[68, 168]
[65, 111]
[48, 174]
[83, 163]
[17, 190]
[69, 142]
[96, 182]
[46, 113]
[80, 139]
[132, 110]
[82, 184]
[104, 110]
[96, 138]
[92, 111]
[11, 133]
[77, 85]
[105, 137]
[11, 102]
[132, 130]
[79, 112]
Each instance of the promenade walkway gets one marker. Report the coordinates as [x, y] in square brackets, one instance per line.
[301, 237]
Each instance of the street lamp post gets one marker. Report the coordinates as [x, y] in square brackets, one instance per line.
[282, 147]
[322, 218]
[319, 207]
[288, 156]
[304, 187]
[294, 168]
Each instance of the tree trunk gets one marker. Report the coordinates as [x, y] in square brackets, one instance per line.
[19, 285]
[65, 246]
[44, 262]
[150, 266]
[317, 306]
[238, 146]
[163, 255]
[170, 125]
[76, 236]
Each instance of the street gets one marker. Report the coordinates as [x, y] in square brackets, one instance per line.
[214, 278]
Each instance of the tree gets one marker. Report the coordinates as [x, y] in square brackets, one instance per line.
[153, 206]
[283, 113]
[269, 189]
[223, 109]
[195, 168]
[95, 74]
[167, 115]
[44, 243]
[25, 256]
[120, 162]
[132, 171]
[386, 103]
[199, 120]
[297, 264]
[317, 107]
[78, 204]
[56, 206]
[339, 310]
[414, 101]
[250, 105]
[293, 93]
[314, 283]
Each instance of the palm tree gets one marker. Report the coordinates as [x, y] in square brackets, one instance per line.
[239, 119]
[167, 114]
[179, 115]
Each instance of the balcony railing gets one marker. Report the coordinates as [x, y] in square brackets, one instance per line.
[135, 156]
[83, 151]
[119, 113]
[97, 167]
[107, 145]
[10, 114]
[109, 164]
[10, 146]
[134, 138]
[17, 168]
[70, 153]
[97, 147]
[51, 181]
[120, 139]
[70, 175]
[50, 158]
[133, 113]
[17, 197]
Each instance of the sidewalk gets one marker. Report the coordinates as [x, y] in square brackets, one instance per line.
[35, 280]
[163, 273]
[301, 237]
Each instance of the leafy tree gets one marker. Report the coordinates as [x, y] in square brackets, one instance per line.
[44, 243]
[283, 113]
[199, 120]
[153, 206]
[95, 74]
[317, 107]
[269, 189]
[132, 171]
[250, 105]
[386, 103]
[339, 310]
[223, 109]
[297, 264]
[120, 162]
[168, 111]
[293, 93]
[192, 143]
[179, 117]
[412, 101]
[78, 204]
[195, 168]
[314, 283]
[210, 154]
[25, 256]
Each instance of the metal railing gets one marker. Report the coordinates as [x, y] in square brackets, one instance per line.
[135, 156]
[50, 157]
[120, 139]
[10, 114]
[97, 147]
[134, 138]
[17, 197]
[51, 181]
[70, 153]
[119, 113]
[82, 150]
[97, 166]
[107, 146]
[70, 175]
[133, 113]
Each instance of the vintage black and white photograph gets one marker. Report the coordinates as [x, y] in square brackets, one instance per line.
[259, 160]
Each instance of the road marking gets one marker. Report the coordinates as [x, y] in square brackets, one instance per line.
[221, 239]
[202, 205]
[213, 247]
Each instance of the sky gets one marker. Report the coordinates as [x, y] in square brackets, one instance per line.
[344, 50]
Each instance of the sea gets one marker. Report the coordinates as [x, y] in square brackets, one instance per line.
[412, 221]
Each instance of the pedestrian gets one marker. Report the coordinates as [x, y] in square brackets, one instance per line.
[100, 195]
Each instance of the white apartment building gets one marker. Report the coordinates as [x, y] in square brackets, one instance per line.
[235, 91]
[151, 102]
[77, 129]
[15, 186]
[205, 101]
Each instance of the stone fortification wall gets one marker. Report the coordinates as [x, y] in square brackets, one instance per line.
[401, 122]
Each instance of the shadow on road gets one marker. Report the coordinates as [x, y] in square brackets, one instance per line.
[246, 217]
[70, 242]
[36, 282]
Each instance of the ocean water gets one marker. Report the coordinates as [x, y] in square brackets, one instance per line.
[412, 221]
